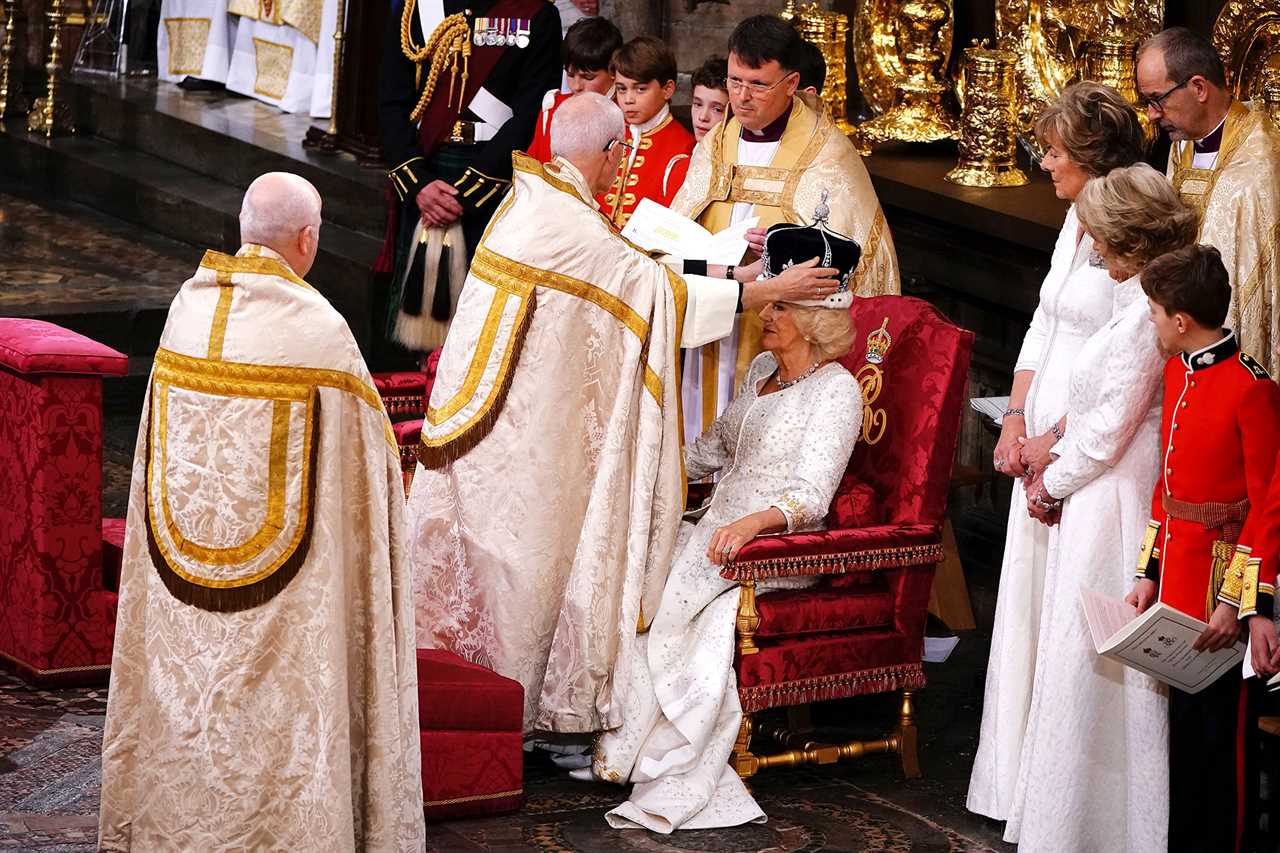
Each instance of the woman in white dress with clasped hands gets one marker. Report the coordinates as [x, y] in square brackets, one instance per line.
[1094, 773]
[1088, 132]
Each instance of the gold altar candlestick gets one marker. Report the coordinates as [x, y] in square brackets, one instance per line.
[6, 55]
[47, 115]
[338, 40]
[989, 121]
[920, 112]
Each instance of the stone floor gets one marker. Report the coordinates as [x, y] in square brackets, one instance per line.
[54, 255]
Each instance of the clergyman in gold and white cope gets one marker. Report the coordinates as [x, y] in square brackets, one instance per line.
[263, 687]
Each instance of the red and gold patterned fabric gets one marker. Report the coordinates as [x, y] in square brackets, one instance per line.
[656, 171]
[57, 617]
[472, 744]
[861, 629]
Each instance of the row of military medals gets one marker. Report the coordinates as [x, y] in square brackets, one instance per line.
[497, 32]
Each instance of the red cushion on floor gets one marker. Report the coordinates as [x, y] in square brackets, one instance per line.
[455, 694]
[471, 773]
[37, 346]
[407, 432]
[795, 613]
[399, 382]
[112, 552]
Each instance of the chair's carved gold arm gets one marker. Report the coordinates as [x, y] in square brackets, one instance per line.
[748, 618]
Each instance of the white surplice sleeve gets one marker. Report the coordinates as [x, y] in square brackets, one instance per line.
[712, 308]
[831, 422]
[1126, 384]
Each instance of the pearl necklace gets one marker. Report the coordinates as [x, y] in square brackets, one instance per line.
[783, 384]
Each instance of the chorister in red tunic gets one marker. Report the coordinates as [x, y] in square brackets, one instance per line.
[540, 147]
[1221, 434]
[655, 169]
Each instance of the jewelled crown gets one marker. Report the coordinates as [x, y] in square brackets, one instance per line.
[787, 244]
[878, 343]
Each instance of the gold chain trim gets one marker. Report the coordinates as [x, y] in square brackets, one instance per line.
[834, 564]
[475, 798]
[56, 671]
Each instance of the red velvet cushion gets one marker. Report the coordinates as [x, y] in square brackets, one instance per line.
[886, 542]
[469, 774]
[433, 361]
[456, 694]
[399, 383]
[855, 505]
[794, 613]
[918, 408]
[37, 346]
[112, 552]
[407, 432]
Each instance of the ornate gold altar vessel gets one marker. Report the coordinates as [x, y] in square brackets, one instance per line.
[1113, 60]
[829, 31]
[47, 113]
[1048, 37]
[6, 61]
[989, 122]
[1247, 37]
[921, 110]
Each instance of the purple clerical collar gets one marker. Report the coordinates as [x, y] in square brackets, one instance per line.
[1211, 143]
[772, 131]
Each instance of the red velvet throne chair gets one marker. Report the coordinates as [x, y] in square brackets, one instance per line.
[57, 614]
[860, 630]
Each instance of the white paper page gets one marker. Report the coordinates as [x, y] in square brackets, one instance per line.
[1162, 649]
[1106, 616]
[990, 407]
[659, 229]
[728, 246]
[938, 649]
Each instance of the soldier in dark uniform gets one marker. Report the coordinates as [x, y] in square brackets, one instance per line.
[453, 103]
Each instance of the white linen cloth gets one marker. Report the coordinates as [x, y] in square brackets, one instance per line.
[1094, 770]
[194, 40]
[681, 716]
[1076, 300]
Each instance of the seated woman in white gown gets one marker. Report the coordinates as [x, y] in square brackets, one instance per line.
[780, 449]
[1094, 769]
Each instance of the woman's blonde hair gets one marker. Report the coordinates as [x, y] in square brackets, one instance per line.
[1095, 125]
[1136, 213]
[828, 330]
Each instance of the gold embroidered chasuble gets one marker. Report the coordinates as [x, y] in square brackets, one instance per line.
[1239, 203]
[303, 15]
[545, 511]
[813, 158]
[263, 684]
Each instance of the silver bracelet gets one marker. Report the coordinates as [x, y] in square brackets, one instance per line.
[1008, 412]
[1057, 432]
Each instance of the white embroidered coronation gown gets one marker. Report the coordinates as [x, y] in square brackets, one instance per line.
[1076, 300]
[789, 450]
[1094, 771]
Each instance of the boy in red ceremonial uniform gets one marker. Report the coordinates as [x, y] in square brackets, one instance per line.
[588, 46]
[644, 71]
[1221, 434]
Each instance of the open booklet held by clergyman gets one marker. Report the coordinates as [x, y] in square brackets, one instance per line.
[1157, 642]
[655, 228]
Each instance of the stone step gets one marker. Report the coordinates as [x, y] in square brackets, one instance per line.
[229, 139]
[178, 203]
